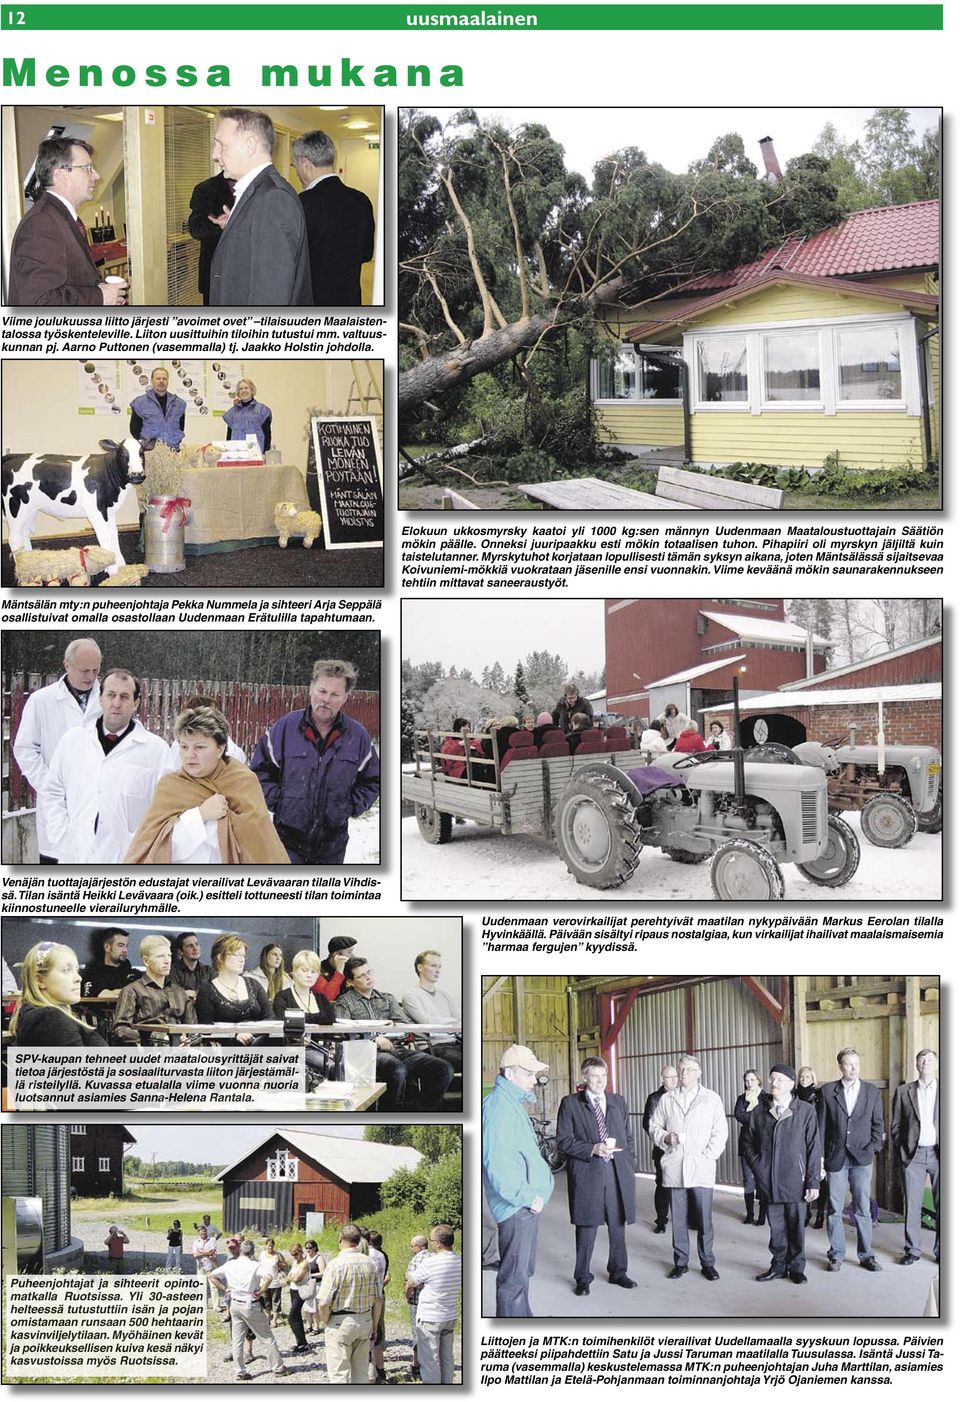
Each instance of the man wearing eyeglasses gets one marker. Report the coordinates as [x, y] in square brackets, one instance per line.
[50, 262]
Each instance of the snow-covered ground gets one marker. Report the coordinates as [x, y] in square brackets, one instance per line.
[479, 864]
[364, 841]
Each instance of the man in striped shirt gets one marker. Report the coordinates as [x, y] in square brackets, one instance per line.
[437, 1274]
[349, 1302]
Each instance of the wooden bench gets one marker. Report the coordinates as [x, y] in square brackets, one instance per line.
[592, 494]
[453, 501]
[713, 493]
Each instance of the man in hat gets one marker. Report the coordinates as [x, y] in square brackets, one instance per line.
[516, 1179]
[781, 1144]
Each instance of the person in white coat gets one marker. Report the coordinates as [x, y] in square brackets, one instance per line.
[174, 756]
[675, 721]
[102, 777]
[690, 1125]
[51, 711]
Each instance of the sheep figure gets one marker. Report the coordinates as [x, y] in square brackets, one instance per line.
[46, 568]
[291, 522]
[125, 577]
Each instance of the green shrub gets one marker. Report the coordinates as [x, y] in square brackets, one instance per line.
[444, 1196]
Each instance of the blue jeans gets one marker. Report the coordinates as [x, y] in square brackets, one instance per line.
[518, 1261]
[859, 1177]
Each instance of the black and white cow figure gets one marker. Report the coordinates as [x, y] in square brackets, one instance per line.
[89, 485]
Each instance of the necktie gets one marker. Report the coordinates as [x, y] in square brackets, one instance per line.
[601, 1120]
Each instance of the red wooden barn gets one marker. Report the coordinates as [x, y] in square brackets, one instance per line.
[296, 1171]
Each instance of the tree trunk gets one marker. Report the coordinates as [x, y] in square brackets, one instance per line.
[446, 371]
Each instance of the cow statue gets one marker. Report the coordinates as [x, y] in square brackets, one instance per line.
[91, 486]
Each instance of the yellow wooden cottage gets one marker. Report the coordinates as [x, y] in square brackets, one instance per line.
[826, 344]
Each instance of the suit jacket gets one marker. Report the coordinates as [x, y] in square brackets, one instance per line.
[860, 1135]
[261, 259]
[209, 197]
[577, 1133]
[340, 234]
[905, 1120]
[50, 261]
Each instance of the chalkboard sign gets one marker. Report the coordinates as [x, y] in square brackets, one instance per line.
[350, 474]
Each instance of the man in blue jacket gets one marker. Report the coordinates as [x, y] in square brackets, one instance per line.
[318, 769]
[158, 415]
[516, 1179]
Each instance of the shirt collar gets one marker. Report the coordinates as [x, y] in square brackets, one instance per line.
[65, 202]
[246, 180]
[329, 176]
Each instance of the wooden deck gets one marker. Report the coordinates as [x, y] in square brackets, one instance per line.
[591, 494]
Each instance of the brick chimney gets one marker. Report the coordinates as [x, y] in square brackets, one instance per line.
[774, 175]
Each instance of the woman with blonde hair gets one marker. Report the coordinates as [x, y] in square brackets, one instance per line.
[44, 1016]
[300, 997]
[229, 995]
[212, 810]
[271, 974]
[248, 417]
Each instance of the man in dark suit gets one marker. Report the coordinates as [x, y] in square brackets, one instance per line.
[339, 223]
[851, 1128]
[261, 259]
[781, 1144]
[593, 1130]
[915, 1131]
[669, 1079]
[50, 261]
[207, 205]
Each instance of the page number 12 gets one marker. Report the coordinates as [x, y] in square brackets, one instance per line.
[16, 18]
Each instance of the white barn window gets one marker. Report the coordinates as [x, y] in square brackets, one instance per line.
[283, 1167]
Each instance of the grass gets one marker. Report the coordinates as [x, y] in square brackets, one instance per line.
[862, 501]
[151, 1209]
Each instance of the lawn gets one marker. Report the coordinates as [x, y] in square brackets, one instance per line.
[151, 1209]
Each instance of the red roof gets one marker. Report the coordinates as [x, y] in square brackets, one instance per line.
[867, 241]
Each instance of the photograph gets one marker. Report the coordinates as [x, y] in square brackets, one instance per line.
[638, 309]
[788, 1124]
[306, 1255]
[373, 1000]
[230, 747]
[770, 749]
[113, 206]
[181, 474]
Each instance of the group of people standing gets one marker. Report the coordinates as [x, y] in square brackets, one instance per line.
[261, 244]
[158, 415]
[796, 1142]
[343, 1298]
[111, 791]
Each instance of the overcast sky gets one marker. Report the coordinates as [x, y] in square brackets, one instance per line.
[218, 1144]
[476, 634]
[675, 136]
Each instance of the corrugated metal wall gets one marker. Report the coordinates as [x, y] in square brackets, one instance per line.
[275, 1210]
[731, 1032]
[36, 1163]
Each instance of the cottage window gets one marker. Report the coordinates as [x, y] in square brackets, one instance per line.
[791, 368]
[869, 362]
[722, 369]
[634, 375]
[77, 1163]
[104, 1165]
[283, 1167]
[78, 1129]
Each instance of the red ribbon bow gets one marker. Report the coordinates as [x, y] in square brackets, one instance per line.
[178, 504]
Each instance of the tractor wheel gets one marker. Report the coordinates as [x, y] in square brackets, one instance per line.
[435, 828]
[597, 831]
[932, 821]
[687, 859]
[839, 861]
[744, 871]
[887, 820]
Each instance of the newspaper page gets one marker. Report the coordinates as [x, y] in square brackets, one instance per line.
[424, 1088]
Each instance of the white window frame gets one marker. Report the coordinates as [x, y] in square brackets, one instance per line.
[78, 1129]
[830, 402]
[104, 1163]
[628, 348]
[795, 405]
[77, 1163]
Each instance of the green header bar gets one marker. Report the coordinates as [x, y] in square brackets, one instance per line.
[451, 18]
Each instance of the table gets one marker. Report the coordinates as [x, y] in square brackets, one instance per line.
[275, 1028]
[361, 1098]
[233, 505]
[591, 494]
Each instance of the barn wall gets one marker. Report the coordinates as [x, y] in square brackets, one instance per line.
[904, 722]
[532, 1011]
[922, 665]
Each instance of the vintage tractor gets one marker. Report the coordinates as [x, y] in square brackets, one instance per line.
[895, 788]
[602, 809]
